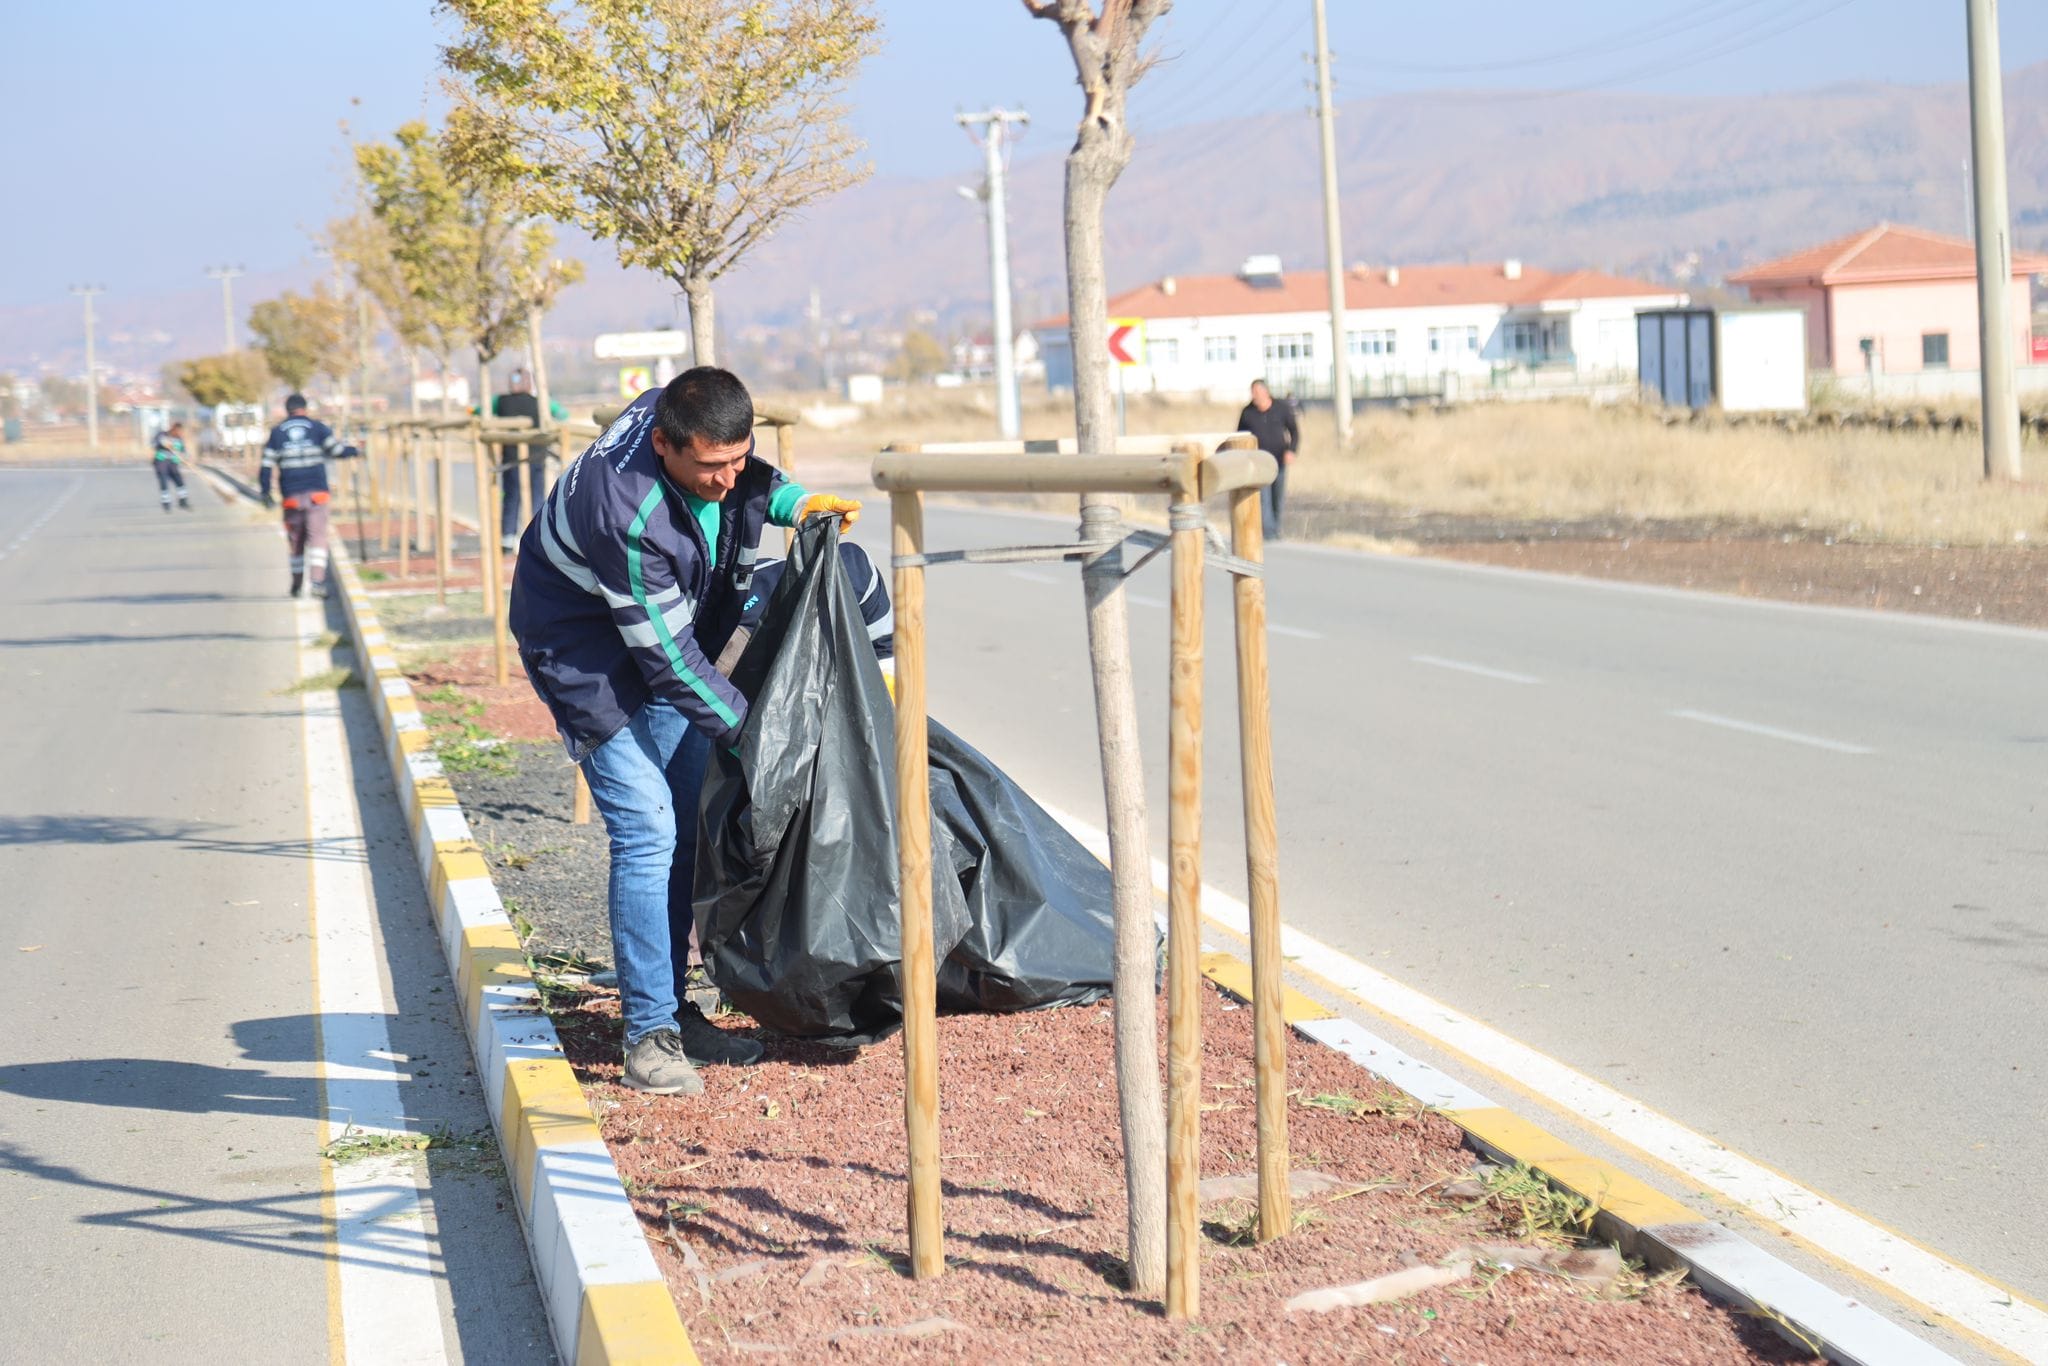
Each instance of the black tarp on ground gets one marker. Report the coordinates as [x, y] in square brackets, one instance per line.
[796, 902]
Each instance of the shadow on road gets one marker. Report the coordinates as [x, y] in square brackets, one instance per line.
[160, 638]
[194, 836]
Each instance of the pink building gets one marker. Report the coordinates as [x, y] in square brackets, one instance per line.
[1911, 295]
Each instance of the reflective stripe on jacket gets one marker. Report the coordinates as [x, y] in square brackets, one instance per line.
[618, 599]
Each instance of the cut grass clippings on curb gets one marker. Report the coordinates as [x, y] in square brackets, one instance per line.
[356, 1144]
[1533, 1208]
[327, 680]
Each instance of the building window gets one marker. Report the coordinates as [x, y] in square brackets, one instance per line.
[1219, 348]
[1369, 343]
[1524, 339]
[1163, 351]
[1446, 340]
[1279, 346]
[1934, 350]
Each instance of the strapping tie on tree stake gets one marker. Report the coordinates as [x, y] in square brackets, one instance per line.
[1153, 542]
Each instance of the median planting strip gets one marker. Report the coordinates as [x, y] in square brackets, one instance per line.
[767, 1214]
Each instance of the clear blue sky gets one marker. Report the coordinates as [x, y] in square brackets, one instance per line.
[147, 141]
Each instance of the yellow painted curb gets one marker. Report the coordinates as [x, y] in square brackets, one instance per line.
[544, 1107]
[490, 964]
[1234, 975]
[632, 1325]
[1615, 1192]
[455, 861]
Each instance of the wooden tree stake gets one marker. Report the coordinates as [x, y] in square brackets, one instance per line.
[1184, 933]
[444, 496]
[1262, 861]
[914, 870]
[490, 568]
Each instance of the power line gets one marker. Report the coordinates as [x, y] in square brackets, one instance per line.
[1222, 16]
[1643, 34]
[1731, 45]
[1196, 89]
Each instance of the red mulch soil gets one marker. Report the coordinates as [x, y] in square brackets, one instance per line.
[2008, 584]
[513, 711]
[785, 1183]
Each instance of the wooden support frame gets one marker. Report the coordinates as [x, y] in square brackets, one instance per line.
[1183, 474]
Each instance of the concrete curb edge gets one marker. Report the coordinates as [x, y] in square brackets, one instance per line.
[1642, 1220]
[606, 1301]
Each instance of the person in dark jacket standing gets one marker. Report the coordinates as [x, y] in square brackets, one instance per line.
[520, 403]
[298, 450]
[1272, 423]
[631, 580]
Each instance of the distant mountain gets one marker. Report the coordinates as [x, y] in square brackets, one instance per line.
[1637, 184]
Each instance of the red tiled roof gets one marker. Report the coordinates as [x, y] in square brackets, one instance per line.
[1308, 291]
[1885, 252]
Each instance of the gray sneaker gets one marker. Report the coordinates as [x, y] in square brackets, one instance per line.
[656, 1065]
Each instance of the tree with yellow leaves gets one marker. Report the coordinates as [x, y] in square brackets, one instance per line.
[683, 131]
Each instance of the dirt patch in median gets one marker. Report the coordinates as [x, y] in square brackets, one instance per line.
[775, 1206]
[1978, 583]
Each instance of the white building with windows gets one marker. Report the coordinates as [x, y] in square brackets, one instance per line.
[1410, 329]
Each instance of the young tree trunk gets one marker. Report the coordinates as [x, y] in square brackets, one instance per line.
[697, 290]
[1099, 156]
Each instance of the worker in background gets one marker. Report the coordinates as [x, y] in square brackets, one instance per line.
[168, 456]
[630, 582]
[1273, 425]
[520, 403]
[298, 450]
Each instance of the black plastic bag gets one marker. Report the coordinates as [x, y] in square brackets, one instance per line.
[796, 891]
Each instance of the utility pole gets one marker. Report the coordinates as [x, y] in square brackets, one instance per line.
[996, 136]
[92, 374]
[226, 275]
[1994, 245]
[1333, 237]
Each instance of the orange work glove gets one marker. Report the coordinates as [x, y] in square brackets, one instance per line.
[847, 508]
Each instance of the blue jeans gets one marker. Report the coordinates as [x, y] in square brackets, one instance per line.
[645, 781]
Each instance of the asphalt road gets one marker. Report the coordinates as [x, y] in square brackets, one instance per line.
[1781, 874]
[160, 1104]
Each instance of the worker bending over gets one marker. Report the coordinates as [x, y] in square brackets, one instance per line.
[631, 580]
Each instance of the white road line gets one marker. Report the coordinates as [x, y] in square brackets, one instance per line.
[41, 520]
[385, 1262]
[1920, 1275]
[1707, 718]
[1033, 576]
[1145, 599]
[1294, 631]
[1502, 675]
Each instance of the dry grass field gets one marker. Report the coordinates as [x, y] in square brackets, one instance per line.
[1571, 462]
